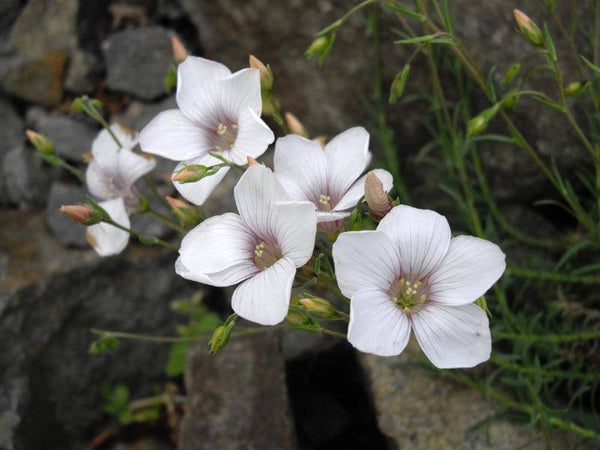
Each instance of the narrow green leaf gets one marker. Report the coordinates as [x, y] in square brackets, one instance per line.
[148, 240]
[549, 44]
[406, 12]
[491, 92]
[547, 102]
[428, 39]
[591, 65]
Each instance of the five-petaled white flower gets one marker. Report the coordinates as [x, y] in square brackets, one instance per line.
[411, 274]
[110, 176]
[263, 245]
[113, 169]
[218, 112]
[327, 177]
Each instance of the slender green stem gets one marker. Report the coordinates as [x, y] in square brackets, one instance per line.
[332, 333]
[155, 192]
[142, 236]
[343, 315]
[161, 399]
[587, 377]
[73, 170]
[166, 221]
[549, 338]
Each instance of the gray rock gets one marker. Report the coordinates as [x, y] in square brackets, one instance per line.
[9, 11]
[53, 296]
[137, 61]
[25, 177]
[83, 73]
[237, 399]
[65, 230]
[12, 137]
[72, 137]
[418, 409]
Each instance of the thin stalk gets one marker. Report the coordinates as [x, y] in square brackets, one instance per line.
[161, 399]
[73, 170]
[155, 192]
[140, 235]
[549, 338]
[158, 216]
[587, 377]
[332, 333]
[553, 276]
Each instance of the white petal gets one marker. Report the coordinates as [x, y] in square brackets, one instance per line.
[294, 191]
[364, 259]
[377, 325]
[253, 138]
[106, 142]
[221, 249]
[255, 194]
[241, 91]
[183, 271]
[347, 157]
[453, 336]
[198, 192]
[265, 298]
[294, 227]
[133, 166]
[97, 181]
[302, 162]
[107, 239]
[173, 136]
[357, 190]
[330, 216]
[198, 93]
[421, 237]
[468, 270]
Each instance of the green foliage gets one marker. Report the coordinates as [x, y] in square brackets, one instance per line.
[117, 402]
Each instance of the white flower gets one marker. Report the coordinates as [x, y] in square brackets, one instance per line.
[218, 112]
[263, 245]
[105, 238]
[113, 169]
[327, 177]
[410, 274]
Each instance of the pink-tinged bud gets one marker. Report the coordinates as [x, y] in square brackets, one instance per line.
[294, 125]
[41, 142]
[318, 306]
[80, 213]
[251, 161]
[266, 76]
[191, 173]
[377, 199]
[186, 212]
[529, 29]
[179, 50]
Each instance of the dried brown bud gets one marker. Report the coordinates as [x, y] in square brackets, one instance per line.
[377, 199]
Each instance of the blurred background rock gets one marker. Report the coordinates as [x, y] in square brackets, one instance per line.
[54, 289]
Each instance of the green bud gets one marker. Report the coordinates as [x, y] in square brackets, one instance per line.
[320, 47]
[529, 29]
[171, 79]
[221, 335]
[399, 84]
[41, 142]
[478, 124]
[295, 318]
[184, 211]
[574, 89]
[318, 306]
[105, 343]
[510, 74]
[192, 173]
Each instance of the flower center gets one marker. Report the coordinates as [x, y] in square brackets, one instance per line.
[265, 255]
[408, 294]
[325, 201]
[225, 135]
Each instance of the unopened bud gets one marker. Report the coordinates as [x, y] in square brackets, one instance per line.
[529, 29]
[80, 213]
[179, 50]
[191, 173]
[399, 84]
[377, 199]
[186, 212]
[251, 161]
[479, 123]
[320, 47]
[296, 318]
[574, 89]
[294, 125]
[266, 76]
[219, 338]
[41, 142]
[318, 306]
[510, 74]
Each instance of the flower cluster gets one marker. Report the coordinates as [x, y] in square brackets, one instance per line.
[408, 274]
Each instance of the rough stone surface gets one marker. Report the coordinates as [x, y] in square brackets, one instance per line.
[420, 410]
[11, 127]
[83, 73]
[72, 137]
[137, 61]
[53, 296]
[237, 400]
[25, 177]
[65, 230]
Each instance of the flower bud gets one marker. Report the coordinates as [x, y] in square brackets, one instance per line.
[179, 50]
[266, 76]
[479, 123]
[320, 47]
[191, 173]
[219, 339]
[399, 84]
[41, 142]
[510, 74]
[186, 212]
[318, 306]
[251, 161]
[80, 213]
[295, 125]
[574, 89]
[296, 318]
[529, 29]
[377, 199]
